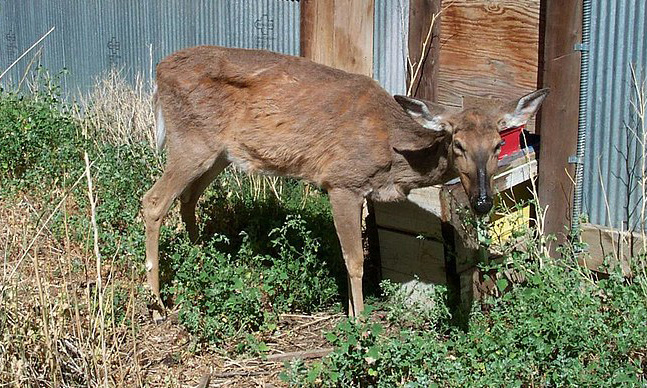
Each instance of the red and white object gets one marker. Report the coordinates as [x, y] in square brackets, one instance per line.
[511, 141]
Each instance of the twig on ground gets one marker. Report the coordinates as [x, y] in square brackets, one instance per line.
[95, 229]
[307, 354]
[305, 325]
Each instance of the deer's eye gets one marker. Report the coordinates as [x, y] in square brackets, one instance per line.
[458, 146]
[498, 146]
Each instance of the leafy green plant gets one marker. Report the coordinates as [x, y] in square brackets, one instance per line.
[224, 295]
[40, 141]
[557, 328]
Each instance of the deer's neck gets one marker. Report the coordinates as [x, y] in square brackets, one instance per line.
[423, 168]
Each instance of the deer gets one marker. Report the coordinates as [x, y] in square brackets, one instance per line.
[270, 113]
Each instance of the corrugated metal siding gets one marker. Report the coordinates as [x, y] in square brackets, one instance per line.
[390, 44]
[612, 163]
[92, 36]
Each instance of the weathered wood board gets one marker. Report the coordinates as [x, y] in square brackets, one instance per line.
[408, 217]
[405, 256]
[420, 15]
[559, 114]
[489, 49]
[338, 33]
[609, 245]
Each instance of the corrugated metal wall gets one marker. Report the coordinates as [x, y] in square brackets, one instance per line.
[92, 36]
[390, 44]
[613, 162]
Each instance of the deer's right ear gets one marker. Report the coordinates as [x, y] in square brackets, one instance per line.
[425, 113]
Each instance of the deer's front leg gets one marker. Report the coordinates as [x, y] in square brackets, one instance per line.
[347, 212]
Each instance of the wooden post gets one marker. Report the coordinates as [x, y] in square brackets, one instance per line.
[420, 14]
[561, 64]
[338, 33]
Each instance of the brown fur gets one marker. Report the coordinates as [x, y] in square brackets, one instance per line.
[283, 115]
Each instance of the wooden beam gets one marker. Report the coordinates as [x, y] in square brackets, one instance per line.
[338, 33]
[559, 112]
[420, 14]
[317, 30]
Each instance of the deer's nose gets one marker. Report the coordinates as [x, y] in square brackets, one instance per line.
[482, 205]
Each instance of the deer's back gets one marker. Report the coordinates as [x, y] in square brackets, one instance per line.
[278, 114]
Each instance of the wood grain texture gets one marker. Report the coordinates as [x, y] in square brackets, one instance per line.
[338, 33]
[408, 217]
[559, 113]
[317, 33]
[488, 49]
[611, 245]
[405, 256]
[420, 15]
[353, 36]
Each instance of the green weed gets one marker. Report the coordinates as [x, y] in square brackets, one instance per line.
[557, 328]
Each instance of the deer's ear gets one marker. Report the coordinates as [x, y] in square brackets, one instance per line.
[429, 115]
[517, 112]
[433, 124]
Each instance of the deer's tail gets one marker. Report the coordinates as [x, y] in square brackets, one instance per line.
[160, 131]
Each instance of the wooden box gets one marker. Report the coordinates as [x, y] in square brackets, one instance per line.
[422, 239]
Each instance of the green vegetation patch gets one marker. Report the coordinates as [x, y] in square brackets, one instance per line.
[558, 328]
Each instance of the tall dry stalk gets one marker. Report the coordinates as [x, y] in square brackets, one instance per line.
[639, 107]
[26, 52]
[97, 253]
[414, 68]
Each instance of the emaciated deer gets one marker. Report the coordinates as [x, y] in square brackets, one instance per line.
[275, 114]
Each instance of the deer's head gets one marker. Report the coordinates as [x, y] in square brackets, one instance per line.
[475, 141]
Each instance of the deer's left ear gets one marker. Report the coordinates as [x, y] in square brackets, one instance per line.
[426, 113]
[517, 112]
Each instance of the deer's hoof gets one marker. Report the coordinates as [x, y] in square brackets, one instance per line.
[158, 318]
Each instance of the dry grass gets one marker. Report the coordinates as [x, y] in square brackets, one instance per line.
[50, 319]
[121, 111]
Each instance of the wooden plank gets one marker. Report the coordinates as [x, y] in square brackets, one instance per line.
[420, 14]
[559, 113]
[404, 256]
[317, 31]
[353, 36]
[338, 33]
[406, 216]
[515, 176]
[488, 49]
[428, 199]
[610, 245]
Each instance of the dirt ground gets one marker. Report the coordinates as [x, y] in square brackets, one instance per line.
[166, 354]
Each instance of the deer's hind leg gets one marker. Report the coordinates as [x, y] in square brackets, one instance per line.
[191, 195]
[182, 169]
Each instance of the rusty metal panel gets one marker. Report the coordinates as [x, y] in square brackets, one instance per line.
[613, 161]
[91, 36]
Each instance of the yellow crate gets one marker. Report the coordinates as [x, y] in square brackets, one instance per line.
[503, 224]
